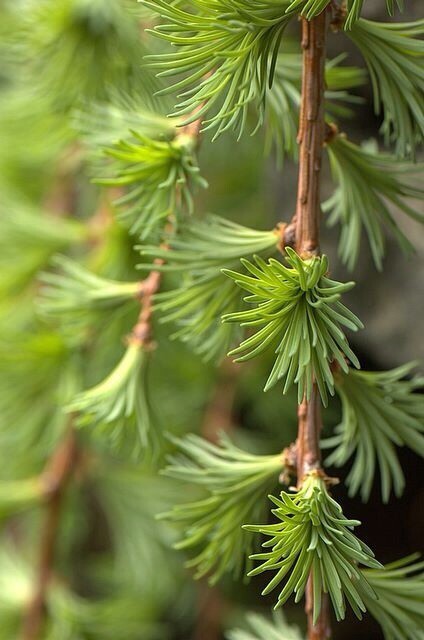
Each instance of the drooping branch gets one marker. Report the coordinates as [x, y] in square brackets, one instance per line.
[142, 331]
[311, 138]
[55, 479]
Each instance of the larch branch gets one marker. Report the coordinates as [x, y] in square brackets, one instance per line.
[311, 138]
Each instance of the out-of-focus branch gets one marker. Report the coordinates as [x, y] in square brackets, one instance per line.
[55, 479]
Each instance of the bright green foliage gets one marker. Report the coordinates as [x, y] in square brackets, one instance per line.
[28, 240]
[261, 628]
[227, 51]
[308, 8]
[394, 56]
[205, 245]
[314, 536]
[131, 497]
[34, 402]
[379, 412]
[368, 183]
[118, 406]
[73, 290]
[298, 306]
[159, 176]
[104, 124]
[199, 252]
[235, 483]
[312, 8]
[81, 49]
[355, 8]
[122, 617]
[399, 607]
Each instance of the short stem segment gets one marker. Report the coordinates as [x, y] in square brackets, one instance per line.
[307, 219]
[311, 135]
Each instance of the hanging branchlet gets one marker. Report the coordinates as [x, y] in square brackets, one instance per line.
[227, 52]
[117, 408]
[394, 55]
[80, 49]
[197, 255]
[314, 538]
[368, 183]
[158, 176]
[380, 411]
[298, 305]
[399, 606]
[71, 290]
[233, 483]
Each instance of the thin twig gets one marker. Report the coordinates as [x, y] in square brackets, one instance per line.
[311, 138]
[142, 331]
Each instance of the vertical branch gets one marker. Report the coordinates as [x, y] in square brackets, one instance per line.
[311, 135]
[307, 218]
[55, 479]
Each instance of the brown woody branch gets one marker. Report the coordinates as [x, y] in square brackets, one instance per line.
[55, 479]
[142, 331]
[311, 138]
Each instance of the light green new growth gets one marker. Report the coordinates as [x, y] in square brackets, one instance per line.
[118, 407]
[368, 184]
[314, 537]
[29, 239]
[198, 253]
[227, 51]
[394, 55]
[299, 307]
[158, 177]
[379, 412]
[235, 483]
[72, 290]
[82, 49]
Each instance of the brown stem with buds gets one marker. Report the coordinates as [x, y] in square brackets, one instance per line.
[311, 138]
[55, 479]
[311, 135]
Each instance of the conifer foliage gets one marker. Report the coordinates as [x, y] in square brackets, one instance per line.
[124, 301]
